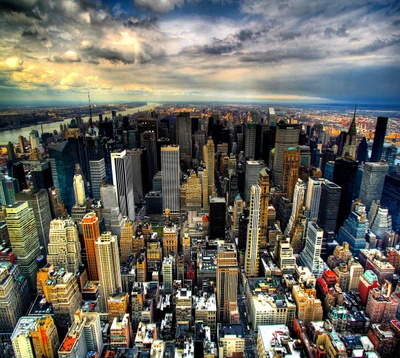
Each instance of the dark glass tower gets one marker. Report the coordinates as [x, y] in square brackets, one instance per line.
[41, 176]
[362, 151]
[380, 132]
[217, 218]
[344, 175]
[391, 198]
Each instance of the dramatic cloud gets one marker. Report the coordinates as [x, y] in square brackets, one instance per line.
[69, 56]
[159, 6]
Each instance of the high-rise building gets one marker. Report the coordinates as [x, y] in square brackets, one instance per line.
[167, 272]
[38, 200]
[24, 240]
[123, 173]
[253, 168]
[170, 240]
[84, 335]
[97, 175]
[79, 190]
[298, 202]
[350, 147]
[107, 254]
[140, 180]
[8, 189]
[209, 159]
[251, 266]
[121, 332]
[14, 296]
[367, 282]
[91, 232]
[217, 218]
[379, 139]
[372, 182]
[64, 249]
[227, 281]
[184, 136]
[391, 197]
[362, 151]
[287, 135]
[310, 256]
[113, 219]
[171, 174]
[35, 337]
[250, 141]
[308, 307]
[314, 189]
[382, 222]
[290, 174]
[42, 177]
[345, 176]
[329, 207]
[263, 183]
[148, 140]
[126, 241]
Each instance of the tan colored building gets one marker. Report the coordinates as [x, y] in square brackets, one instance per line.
[170, 240]
[183, 306]
[117, 304]
[193, 193]
[308, 307]
[126, 241]
[290, 174]
[120, 332]
[141, 268]
[231, 340]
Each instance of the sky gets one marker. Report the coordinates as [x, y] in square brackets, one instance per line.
[298, 51]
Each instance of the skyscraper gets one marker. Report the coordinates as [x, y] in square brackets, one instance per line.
[97, 175]
[217, 218]
[253, 234]
[42, 176]
[184, 137]
[310, 256]
[24, 240]
[372, 182]
[391, 197]
[91, 232]
[379, 139]
[329, 207]
[314, 189]
[250, 141]
[344, 175]
[263, 183]
[8, 189]
[167, 266]
[140, 180]
[126, 241]
[107, 254]
[287, 135]
[171, 173]
[290, 174]
[350, 146]
[253, 168]
[123, 173]
[298, 202]
[79, 190]
[64, 249]
[209, 159]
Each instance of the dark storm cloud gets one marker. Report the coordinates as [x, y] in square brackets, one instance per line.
[110, 54]
[245, 35]
[340, 32]
[147, 22]
[396, 23]
[378, 44]
[272, 56]
[287, 36]
[30, 33]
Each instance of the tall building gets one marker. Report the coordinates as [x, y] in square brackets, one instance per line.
[140, 180]
[379, 139]
[329, 207]
[298, 202]
[290, 174]
[171, 174]
[123, 174]
[107, 254]
[64, 249]
[287, 135]
[344, 175]
[227, 281]
[8, 188]
[167, 272]
[310, 256]
[252, 257]
[42, 177]
[170, 240]
[253, 168]
[250, 140]
[382, 223]
[263, 183]
[97, 175]
[84, 335]
[126, 241]
[372, 182]
[24, 240]
[193, 193]
[91, 232]
[14, 296]
[38, 200]
[79, 190]
[314, 189]
[184, 136]
[350, 147]
[217, 218]
[35, 337]
[113, 219]
[391, 197]
[209, 159]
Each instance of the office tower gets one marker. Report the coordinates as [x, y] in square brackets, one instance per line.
[227, 281]
[63, 169]
[353, 230]
[310, 256]
[35, 337]
[184, 137]
[263, 183]
[97, 176]
[8, 189]
[79, 190]
[84, 335]
[314, 189]
[250, 140]
[76, 144]
[379, 139]
[362, 151]
[193, 193]
[160, 143]
[170, 240]
[290, 174]
[141, 179]
[107, 254]
[91, 232]
[368, 281]
[391, 198]
[17, 172]
[327, 156]
[350, 147]
[372, 182]
[42, 176]
[24, 240]
[126, 241]
[345, 176]
[56, 205]
[297, 207]
[329, 169]
[382, 222]
[112, 217]
[123, 173]
[148, 140]
[308, 307]
[64, 249]
[209, 159]
[253, 168]
[38, 200]
[167, 267]
[287, 135]
[14, 296]
[253, 234]
[141, 268]
[171, 173]
[217, 218]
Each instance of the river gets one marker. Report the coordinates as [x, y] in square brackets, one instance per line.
[12, 134]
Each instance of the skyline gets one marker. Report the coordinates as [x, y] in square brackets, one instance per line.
[174, 50]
